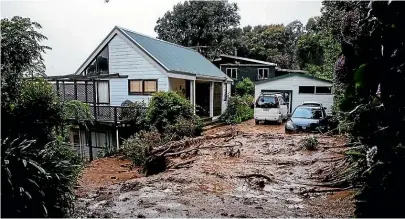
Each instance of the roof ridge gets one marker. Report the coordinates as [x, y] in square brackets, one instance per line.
[164, 41]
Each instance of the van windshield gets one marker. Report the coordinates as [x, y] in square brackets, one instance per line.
[307, 113]
[266, 102]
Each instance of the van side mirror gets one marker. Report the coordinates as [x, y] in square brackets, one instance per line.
[324, 108]
[289, 115]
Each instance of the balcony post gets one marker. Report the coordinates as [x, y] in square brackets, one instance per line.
[115, 115]
[75, 88]
[94, 100]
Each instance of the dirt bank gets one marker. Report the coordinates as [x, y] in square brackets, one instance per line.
[216, 185]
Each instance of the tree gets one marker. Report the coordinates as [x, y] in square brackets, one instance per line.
[199, 23]
[21, 54]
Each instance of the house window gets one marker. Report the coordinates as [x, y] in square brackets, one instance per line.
[262, 73]
[103, 92]
[306, 90]
[232, 73]
[323, 90]
[99, 65]
[136, 87]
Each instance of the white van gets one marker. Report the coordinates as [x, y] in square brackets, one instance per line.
[270, 107]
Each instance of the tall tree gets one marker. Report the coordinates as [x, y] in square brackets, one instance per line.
[21, 53]
[204, 24]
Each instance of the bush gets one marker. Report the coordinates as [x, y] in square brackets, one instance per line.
[239, 109]
[37, 180]
[168, 108]
[310, 143]
[245, 87]
[36, 113]
[134, 116]
[138, 146]
[186, 127]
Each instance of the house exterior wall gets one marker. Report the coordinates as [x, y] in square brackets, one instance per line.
[127, 60]
[248, 71]
[293, 83]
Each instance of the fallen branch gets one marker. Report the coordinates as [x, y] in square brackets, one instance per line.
[201, 148]
[255, 175]
[313, 190]
[228, 139]
[181, 164]
[160, 151]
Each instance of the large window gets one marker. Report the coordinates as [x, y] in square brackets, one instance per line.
[262, 73]
[99, 65]
[315, 90]
[142, 87]
[306, 90]
[232, 73]
[323, 90]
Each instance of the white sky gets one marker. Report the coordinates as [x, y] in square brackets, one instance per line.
[75, 27]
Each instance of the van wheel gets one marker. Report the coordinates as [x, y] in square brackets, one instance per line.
[256, 122]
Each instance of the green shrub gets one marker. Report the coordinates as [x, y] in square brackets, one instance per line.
[134, 116]
[165, 110]
[36, 113]
[37, 180]
[138, 146]
[186, 127]
[245, 87]
[239, 109]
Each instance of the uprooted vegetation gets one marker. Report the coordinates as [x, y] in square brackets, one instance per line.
[169, 117]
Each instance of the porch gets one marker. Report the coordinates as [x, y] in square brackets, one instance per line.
[208, 97]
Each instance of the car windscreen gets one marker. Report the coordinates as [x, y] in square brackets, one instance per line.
[307, 113]
[266, 102]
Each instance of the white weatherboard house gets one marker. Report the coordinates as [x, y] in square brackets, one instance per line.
[131, 66]
[298, 88]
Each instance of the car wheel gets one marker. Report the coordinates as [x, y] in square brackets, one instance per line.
[256, 122]
[287, 131]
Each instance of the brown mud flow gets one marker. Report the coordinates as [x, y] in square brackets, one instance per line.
[271, 176]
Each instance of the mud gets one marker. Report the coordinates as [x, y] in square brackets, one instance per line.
[213, 185]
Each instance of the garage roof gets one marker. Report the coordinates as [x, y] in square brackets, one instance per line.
[292, 75]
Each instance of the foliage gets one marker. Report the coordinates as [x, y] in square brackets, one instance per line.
[274, 43]
[38, 170]
[37, 181]
[245, 87]
[35, 113]
[77, 111]
[165, 108]
[21, 54]
[239, 109]
[186, 127]
[199, 23]
[134, 115]
[310, 143]
[373, 48]
[138, 146]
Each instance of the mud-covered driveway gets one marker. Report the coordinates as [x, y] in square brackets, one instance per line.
[269, 179]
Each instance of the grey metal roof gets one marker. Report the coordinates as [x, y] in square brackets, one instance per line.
[248, 60]
[291, 75]
[175, 58]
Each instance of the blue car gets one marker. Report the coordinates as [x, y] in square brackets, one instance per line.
[307, 118]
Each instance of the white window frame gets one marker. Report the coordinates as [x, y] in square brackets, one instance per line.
[236, 72]
[263, 69]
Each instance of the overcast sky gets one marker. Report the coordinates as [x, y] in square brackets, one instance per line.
[75, 27]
